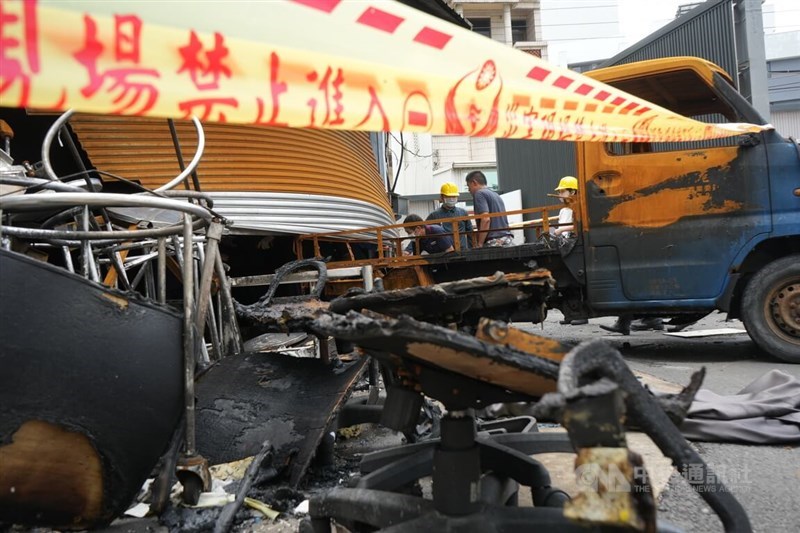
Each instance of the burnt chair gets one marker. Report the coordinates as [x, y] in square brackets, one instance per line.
[477, 470]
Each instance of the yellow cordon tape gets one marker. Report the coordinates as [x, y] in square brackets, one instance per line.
[340, 64]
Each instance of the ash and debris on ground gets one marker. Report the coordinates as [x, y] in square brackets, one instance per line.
[343, 471]
[280, 497]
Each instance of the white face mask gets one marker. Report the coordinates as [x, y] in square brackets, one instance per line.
[450, 202]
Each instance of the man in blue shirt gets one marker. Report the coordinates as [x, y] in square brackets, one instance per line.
[448, 209]
[431, 238]
[492, 231]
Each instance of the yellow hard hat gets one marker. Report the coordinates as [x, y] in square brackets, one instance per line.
[567, 182]
[449, 189]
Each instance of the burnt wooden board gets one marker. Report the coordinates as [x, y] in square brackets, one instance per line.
[252, 397]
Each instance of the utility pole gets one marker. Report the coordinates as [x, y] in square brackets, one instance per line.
[751, 54]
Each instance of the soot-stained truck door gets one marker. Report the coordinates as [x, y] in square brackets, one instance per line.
[664, 221]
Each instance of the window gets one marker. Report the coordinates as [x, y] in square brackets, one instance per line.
[644, 148]
[519, 30]
[482, 26]
[490, 173]
[686, 93]
[491, 179]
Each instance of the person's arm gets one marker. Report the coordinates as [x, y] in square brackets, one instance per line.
[448, 244]
[438, 240]
[565, 221]
[564, 229]
[485, 221]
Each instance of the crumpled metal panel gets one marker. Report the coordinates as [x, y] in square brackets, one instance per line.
[265, 179]
[88, 403]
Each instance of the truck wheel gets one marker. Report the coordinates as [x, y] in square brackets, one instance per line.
[771, 308]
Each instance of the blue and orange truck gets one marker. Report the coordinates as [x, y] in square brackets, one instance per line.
[669, 229]
[688, 228]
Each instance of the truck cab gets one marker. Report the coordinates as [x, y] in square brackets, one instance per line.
[690, 227]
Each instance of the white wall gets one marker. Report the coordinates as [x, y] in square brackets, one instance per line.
[417, 165]
[787, 123]
[780, 45]
[482, 149]
[513, 202]
[498, 29]
[451, 149]
[580, 30]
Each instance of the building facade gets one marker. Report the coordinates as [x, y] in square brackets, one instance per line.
[429, 161]
[783, 80]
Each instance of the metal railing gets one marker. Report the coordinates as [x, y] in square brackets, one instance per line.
[388, 243]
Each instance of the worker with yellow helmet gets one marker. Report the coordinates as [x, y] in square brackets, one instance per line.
[567, 188]
[449, 198]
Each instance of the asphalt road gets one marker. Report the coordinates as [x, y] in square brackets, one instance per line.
[765, 479]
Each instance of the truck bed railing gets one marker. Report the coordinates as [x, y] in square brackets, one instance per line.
[386, 249]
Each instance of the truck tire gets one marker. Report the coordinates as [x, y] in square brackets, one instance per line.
[771, 308]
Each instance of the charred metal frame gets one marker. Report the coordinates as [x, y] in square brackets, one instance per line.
[595, 390]
[520, 296]
[596, 369]
[192, 469]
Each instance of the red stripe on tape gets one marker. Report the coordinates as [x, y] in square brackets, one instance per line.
[323, 5]
[602, 95]
[430, 37]
[538, 73]
[380, 20]
[584, 89]
[618, 100]
[563, 82]
[415, 118]
[642, 110]
[628, 108]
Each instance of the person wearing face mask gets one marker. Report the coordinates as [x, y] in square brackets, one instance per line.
[448, 209]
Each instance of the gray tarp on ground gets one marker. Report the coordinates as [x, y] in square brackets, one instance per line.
[767, 411]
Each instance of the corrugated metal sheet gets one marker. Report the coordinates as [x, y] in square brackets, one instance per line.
[296, 213]
[262, 178]
[787, 123]
[534, 167]
[706, 31]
